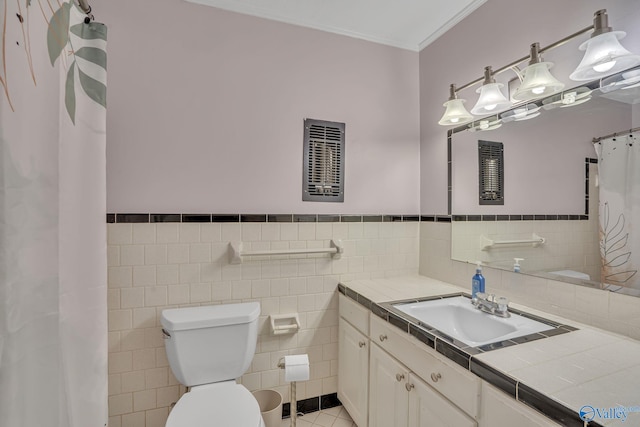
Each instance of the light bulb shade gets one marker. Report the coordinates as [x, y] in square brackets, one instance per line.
[604, 56]
[455, 113]
[491, 100]
[538, 82]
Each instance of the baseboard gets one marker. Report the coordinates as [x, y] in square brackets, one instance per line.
[312, 404]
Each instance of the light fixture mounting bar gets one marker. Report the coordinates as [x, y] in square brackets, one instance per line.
[521, 60]
[566, 39]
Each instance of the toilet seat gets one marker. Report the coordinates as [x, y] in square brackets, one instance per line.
[216, 405]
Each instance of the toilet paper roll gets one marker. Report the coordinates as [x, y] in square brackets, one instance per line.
[296, 368]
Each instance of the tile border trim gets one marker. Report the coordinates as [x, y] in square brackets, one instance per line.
[131, 218]
[154, 218]
[534, 217]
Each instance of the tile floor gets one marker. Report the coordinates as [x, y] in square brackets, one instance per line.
[333, 417]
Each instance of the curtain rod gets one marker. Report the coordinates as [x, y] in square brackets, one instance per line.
[600, 138]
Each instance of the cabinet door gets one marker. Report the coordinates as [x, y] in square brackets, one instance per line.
[353, 372]
[388, 397]
[429, 408]
[500, 410]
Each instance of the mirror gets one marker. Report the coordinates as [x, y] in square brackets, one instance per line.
[550, 207]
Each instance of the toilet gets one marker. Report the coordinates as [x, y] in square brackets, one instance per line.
[208, 347]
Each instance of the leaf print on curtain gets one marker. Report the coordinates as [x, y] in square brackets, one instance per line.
[619, 210]
[80, 40]
[53, 317]
[86, 46]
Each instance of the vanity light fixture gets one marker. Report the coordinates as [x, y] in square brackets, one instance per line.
[569, 98]
[525, 112]
[455, 112]
[538, 81]
[491, 98]
[626, 80]
[604, 55]
[489, 123]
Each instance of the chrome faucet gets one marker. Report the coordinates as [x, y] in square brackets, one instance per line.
[498, 306]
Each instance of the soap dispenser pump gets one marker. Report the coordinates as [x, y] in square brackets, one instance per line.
[516, 265]
[477, 282]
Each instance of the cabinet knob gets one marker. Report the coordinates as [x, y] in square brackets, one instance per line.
[383, 337]
[435, 377]
[409, 386]
[362, 344]
[399, 377]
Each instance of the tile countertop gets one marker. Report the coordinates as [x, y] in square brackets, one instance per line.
[588, 366]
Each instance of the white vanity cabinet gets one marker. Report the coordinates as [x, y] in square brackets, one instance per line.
[388, 390]
[429, 408]
[353, 360]
[382, 386]
[499, 410]
[399, 398]
[457, 387]
[388, 378]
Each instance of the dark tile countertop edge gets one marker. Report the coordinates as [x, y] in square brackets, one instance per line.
[464, 355]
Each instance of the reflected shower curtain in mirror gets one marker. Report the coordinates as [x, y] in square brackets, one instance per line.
[53, 317]
[619, 210]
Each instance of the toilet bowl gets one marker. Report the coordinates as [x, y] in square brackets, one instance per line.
[209, 347]
[571, 273]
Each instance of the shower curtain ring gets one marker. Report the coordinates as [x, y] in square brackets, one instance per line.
[89, 16]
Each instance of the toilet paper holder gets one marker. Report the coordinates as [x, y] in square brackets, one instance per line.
[294, 361]
[284, 323]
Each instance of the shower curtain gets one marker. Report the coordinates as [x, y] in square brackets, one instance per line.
[619, 182]
[53, 317]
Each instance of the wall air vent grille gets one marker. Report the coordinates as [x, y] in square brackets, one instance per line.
[323, 169]
[491, 169]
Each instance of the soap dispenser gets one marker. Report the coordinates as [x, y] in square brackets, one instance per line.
[516, 265]
[477, 282]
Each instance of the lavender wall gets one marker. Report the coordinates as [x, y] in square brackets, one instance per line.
[496, 34]
[206, 110]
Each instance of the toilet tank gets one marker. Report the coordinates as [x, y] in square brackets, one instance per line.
[210, 344]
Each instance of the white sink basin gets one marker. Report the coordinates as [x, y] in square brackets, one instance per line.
[462, 321]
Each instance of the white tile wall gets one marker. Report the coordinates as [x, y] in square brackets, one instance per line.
[156, 266]
[569, 244]
[606, 310]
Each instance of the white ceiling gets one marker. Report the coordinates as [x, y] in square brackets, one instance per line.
[407, 24]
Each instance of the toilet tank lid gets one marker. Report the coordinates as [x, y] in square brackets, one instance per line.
[176, 319]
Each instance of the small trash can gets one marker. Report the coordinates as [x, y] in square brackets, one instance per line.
[270, 402]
